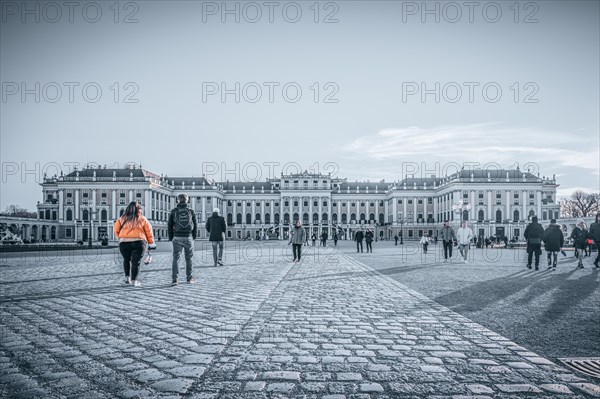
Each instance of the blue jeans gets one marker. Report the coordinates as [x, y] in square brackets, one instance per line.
[185, 244]
[219, 256]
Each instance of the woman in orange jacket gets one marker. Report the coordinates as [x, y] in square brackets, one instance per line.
[134, 232]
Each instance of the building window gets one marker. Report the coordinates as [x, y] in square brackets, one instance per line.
[69, 214]
[104, 195]
[295, 203]
[465, 195]
[324, 203]
[121, 195]
[399, 202]
[420, 202]
[305, 203]
[68, 232]
[315, 203]
[286, 203]
[410, 202]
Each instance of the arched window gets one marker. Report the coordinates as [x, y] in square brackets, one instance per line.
[53, 233]
[516, 215]
[315, 218]
[381, 218]
[324, 217]
[103, 215]
[86, 215]
[258, 217]
[371, 217]
[238, 218]
[276, 218]
[47, 217]
[229, 219]
[353, 217]
[286, 218]
[248, 218]
[267, 218]
[334, 218]
[305, 218]
[363, 217]
[344, 218]
[69, 214]
[480, 215]
[296, 217]
[531, 214]
[498, 216]
[465, 215]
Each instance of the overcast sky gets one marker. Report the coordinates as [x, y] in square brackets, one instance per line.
[513, 85]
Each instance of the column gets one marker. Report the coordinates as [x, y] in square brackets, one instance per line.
[436, 218]
[367, 208]
[61, 206]
[508, 215]
[113, 205]
[386, 210]
[415, 214]
[404, 207]
[234, 216]
[339, 212]
[77, 215]
[262, 211]
[310, 211]
[130, 195]
[320, 211]
[473, 206]
[524, 200]
[93, 214]
[204, 209]
[148, 203]
[539, 204]
[489, 205]
[253, 209]
[300, 210]
[329, 210]
[243, 211]
[272, 212]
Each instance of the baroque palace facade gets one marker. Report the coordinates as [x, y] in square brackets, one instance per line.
[495, 202]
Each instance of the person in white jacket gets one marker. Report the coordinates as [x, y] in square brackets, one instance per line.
[464, 235]
[425, 242]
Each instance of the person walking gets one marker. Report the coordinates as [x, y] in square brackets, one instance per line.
[297, 238]
[182, 229]
[314, 239]
[424, 242]
[358, 237]
[324, 237]
[579, 236]
[335, 239]
[595, 235]
[553, 241]
[533, 234]
[396, 239]
[464, 235]
[369, 240]
[135, 233]
[217, 227]
[448, 238]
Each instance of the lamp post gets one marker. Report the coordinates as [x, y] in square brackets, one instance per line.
[401, 234]
[91, 212]
[460, 207]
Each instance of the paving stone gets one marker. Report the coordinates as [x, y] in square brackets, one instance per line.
[188, 371]
[179, 385]
[349, 376]
[512, 388]
[590, 389]
[556, 388]
[479, 389]
[255, 386]
[371, 387]
[281, 375]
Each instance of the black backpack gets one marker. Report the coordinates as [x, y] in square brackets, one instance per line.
[183, 221]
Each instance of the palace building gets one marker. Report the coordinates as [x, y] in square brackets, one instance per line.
[494, 202]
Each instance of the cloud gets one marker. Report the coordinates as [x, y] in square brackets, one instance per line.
[483, 143]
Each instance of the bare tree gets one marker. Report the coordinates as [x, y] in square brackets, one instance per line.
[580, 204]
[18, 211]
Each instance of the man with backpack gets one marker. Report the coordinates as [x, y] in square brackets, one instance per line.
[182, 230]
[217, 227]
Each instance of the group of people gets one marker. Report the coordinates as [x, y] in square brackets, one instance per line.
[135, 238]
[553, 240]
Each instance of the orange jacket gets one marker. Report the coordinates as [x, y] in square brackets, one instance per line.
[142, 232]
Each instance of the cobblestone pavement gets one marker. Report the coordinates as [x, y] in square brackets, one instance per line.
[259, 327]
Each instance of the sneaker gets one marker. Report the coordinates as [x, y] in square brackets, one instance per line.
[529, 266]
[550, 267]
[136, 283]
[220, 263]
[191, 280]
[465, 261]
[128, 281]
[174, 283]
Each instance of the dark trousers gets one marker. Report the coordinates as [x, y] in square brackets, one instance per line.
[132, 253]
[359, 246]
[425, 248]
[534, 249]
[370, 246]
[552, 255]
[447, 249]
[597, 253]
[297, 250]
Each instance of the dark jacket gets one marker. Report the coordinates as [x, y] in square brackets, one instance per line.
[595, 231]
[324, 236]
[217, 227]
[534, 233]
[579, 237]
[369, 236]
[447, 233]
[171, 224]
[359, 236]
[553, 238]
[298, 235]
